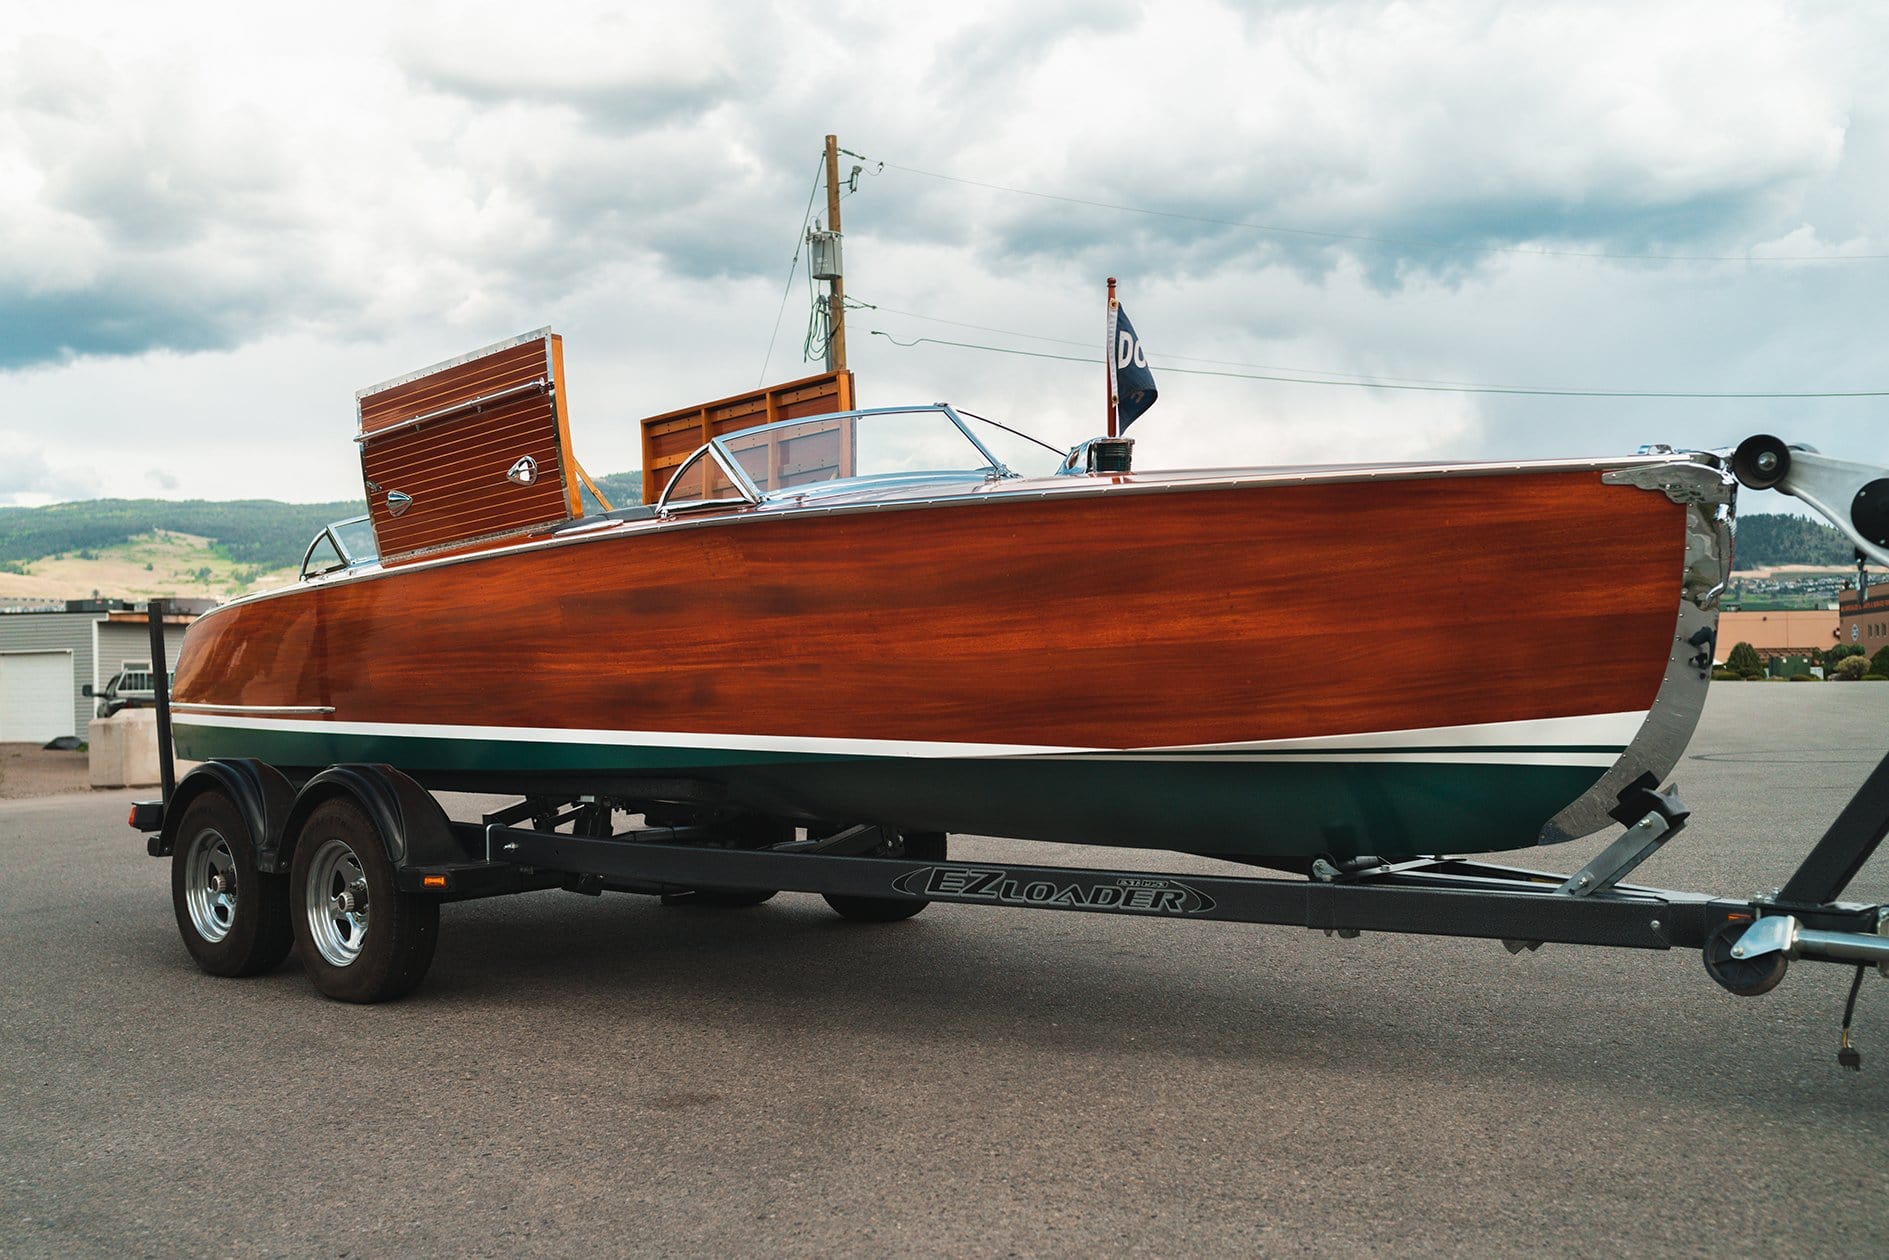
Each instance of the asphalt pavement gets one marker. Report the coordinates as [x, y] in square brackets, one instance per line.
[609, 1076]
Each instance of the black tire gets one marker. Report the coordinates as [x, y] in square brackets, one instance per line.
[361, 939]
[920, 846]
[233, 918]
[747, 831]
[1747, 977]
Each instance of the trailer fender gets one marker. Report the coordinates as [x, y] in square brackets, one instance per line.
[410, 822]
[260, 792]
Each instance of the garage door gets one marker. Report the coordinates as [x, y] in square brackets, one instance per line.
[35, 696]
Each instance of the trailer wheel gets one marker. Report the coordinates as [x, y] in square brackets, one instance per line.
[360, 937]
[1747, 977]
[234, 919]
[920, 846]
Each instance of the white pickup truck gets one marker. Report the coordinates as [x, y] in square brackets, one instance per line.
[129, 688]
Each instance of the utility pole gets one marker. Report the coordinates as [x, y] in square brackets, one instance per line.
[836, 286]
[1108, 359]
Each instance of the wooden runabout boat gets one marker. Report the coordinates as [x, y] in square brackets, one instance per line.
[831, 636]
[834, 616]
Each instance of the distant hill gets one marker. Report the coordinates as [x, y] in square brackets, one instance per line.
[261, 532]
[624, 489]
[136, 548]
[1768, 541]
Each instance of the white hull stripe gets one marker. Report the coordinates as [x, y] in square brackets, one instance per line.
[1594, 740]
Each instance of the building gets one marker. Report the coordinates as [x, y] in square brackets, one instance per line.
[1779, 634]
[1864, 620]
[48, 655]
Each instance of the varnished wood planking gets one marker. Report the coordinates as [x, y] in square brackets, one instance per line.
[454, 467]
[1125, 620]
[502, 369]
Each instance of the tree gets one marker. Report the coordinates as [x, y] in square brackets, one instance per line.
[1744, 659]
[1879, 663]
[1834, 656]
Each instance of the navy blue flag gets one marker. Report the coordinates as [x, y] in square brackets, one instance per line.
[1129, 378]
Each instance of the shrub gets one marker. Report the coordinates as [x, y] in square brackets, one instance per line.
[1745, 659]
[1851, 668]
[1879, 663]
[1874, 678]
[1727, 675]
[1805, 678]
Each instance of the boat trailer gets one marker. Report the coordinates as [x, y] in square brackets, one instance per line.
[873, 873]
[404, 857]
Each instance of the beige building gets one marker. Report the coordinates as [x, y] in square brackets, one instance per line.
[1789, 632]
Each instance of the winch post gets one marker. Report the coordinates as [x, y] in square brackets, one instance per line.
[161, 693]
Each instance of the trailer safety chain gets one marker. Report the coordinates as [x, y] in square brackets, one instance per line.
[1847, 1054]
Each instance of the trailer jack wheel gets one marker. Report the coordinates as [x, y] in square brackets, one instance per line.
[1747, 977]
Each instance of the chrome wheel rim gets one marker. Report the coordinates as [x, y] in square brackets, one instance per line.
[335, 902]
[210, 885]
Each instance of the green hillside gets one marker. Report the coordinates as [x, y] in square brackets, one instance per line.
[1767, 541]
[624, 489]
[259, 533]
[256, 534]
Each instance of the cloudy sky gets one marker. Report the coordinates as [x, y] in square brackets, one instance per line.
[219, 221]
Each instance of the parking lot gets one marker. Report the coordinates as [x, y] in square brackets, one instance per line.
[609, 1075]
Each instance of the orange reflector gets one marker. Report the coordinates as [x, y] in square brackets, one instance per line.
[131, 816]
[432, 881]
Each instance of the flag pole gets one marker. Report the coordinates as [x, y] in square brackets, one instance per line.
[1108, 358]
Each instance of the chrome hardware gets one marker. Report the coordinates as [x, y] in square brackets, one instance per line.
[1706, 491]
[398, 503]
[1782, 934]
[458, 410]
[524, 472]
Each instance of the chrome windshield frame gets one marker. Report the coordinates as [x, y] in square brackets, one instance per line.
[752, 495]
[350, 561]
[335, 531]
[730, 468]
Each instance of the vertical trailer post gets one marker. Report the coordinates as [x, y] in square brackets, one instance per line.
[161, 689]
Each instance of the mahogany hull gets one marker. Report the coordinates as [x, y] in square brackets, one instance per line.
[1268, 666]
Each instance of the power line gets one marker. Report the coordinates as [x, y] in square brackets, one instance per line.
[1365, 383]
[1343, 377]
[1366, 238]
[793, 264]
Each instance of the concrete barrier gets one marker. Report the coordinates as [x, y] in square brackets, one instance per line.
[124, 749]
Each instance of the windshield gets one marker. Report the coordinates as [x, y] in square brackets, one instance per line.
[829, 448]
[356, 537]
[791, 455]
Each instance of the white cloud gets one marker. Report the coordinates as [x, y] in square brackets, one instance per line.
[220, 222]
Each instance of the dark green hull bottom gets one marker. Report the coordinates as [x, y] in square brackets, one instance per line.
[1256, 806]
